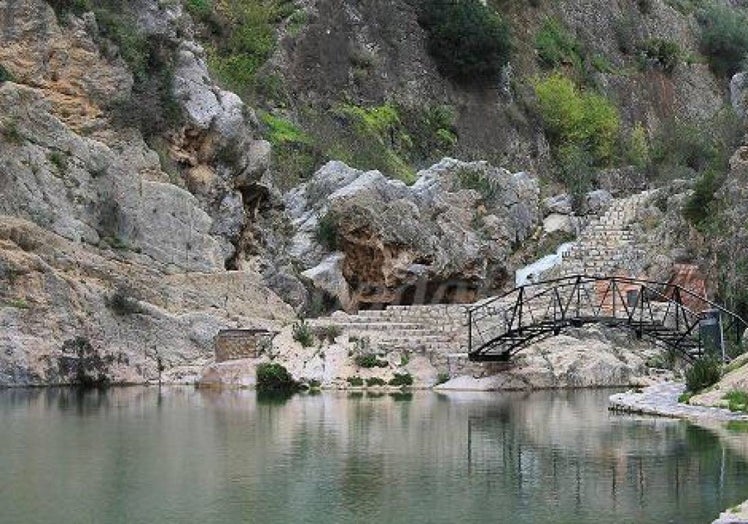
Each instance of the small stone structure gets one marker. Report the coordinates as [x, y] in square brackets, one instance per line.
[235, 344]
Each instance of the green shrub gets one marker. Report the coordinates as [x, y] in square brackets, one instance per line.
[664, 53]
[370, 361]
[59, 160]
[327, 231]
[577, 118]
[737, 400]
[274, 377]
[703, 373]
[5, 75]
[467, 39]
[698, 208]
[83, 365]
[280, 131]
[247, 39]
[122, 302]
[302, 334]
[685, 397]
[480, 181]
[724, 37]
[556, 46]
[375, 381]
[442, 378]
[10, 131]
[637, 147]
[401, 380]
[329, 333]
[355, 382]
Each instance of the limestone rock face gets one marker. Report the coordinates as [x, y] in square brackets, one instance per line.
[107, 261]
[739, 94]
[591, 359]
[439, 239]
[128, 309]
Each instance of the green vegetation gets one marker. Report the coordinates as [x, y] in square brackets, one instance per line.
[637, 151]
[355, 382]
[280, 131]
[663, 53]
[685, 397]
[274, 377]
[724, 37]
[467, 39]
[5, 75]
[370, 361]
[442, 378]
[740, 426]
[704, 373]
[557, 47]
[737, 400]
[123, 303]
[10, 131]
[302, 333]
[59, 160]
[375, 381]
[379, 139]
[401, 380]
[246, 34]
[480, 181]
[576, 118]
[327, 231]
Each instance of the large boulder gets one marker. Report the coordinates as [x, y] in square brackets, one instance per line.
[443, 238]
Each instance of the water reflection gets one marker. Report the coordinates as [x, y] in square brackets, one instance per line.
[140, 454]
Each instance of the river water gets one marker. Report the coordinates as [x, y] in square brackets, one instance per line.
[185, 455]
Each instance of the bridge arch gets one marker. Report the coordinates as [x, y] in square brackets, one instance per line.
[671, 315]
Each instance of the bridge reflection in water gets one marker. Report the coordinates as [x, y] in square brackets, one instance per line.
[680, 319]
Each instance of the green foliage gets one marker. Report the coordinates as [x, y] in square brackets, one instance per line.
[637, 147]
[123, 303]
[375, 381]
[703, 373]
[401, 380]
[370, 361]
[248, 39]
[442, 378]
[480, 181]
[556, 46]
[199, 8]
[663, 53]
[280, 131]
[327, 232]
[685, 397]
[581, 119]
[302, 334]
[329, 333]
[355, 382]
[737, 400]
[698, 208]
[5, 75]
[467, 39]
[59, 160]
[10, 131]
[724, 37]
[274, 377]
[16, 303]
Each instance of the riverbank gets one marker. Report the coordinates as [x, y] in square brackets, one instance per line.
[662, 400]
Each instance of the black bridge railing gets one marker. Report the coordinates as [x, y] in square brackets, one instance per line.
[666, 313]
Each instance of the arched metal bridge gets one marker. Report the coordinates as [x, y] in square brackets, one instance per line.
[668, 314]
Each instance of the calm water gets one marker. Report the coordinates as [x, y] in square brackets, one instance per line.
[134, 455]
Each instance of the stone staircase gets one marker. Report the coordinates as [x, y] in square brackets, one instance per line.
[436, 331]
[440, 332]
[606, 244]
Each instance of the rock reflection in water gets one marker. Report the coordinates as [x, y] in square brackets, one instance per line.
[137, 454]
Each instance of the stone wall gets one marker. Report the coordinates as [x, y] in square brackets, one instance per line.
[235, 344]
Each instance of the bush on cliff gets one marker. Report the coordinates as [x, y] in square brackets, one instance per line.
[703, 373]
[467, 39]
[275, 377]
[724, 37]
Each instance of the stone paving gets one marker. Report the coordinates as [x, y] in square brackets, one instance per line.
[662, 400]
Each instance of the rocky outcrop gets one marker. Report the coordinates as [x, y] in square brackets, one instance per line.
[450, 232]
[594, 358]
[129, 309]
[739, 94]
[109, 264]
